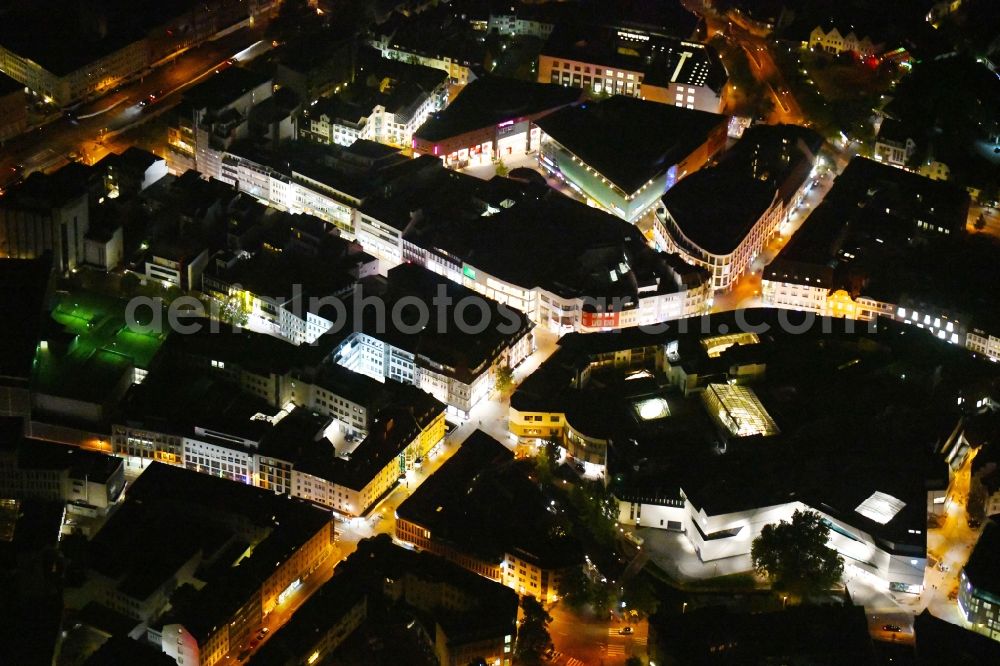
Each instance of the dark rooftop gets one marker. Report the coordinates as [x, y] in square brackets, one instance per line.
[887, 446]
[285, 522]
[717, 207]
[818, 635]
[23, 287]
[224, 88]
[650, 137]
[550, 241]
[361, 579]
[657, 58]
[462, 352]
[119, 650]
[38, 30]
[490, 100]
[981, 569]
[9, 85]
[35, 454]
[940, 642]
[481, 501]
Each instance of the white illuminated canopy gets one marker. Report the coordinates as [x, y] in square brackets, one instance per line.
[880, 507]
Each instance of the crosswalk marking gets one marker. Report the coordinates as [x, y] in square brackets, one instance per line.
[612, 631]
[616, 650]
[574, 662]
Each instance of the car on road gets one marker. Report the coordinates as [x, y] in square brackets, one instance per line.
[625, 631]
[242, 656]
[894, 628]
[153, 97]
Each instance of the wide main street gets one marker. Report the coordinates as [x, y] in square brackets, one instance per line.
[88, 131]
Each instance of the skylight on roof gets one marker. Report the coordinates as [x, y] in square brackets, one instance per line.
[738, 409]
[880, 507]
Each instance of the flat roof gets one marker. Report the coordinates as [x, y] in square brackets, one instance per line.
[550, 241]
[981, 569]
[224, 88]
[813, 634]
[649, 137]
[35, 454]
[123, 650]
[90, 346]
[23, 287]
[717, 207]
[663, 60]
[285, 522]
[38, 31]
[9, 85]
[491, 100]
[482, 502]
[902, 234]
[810, 380]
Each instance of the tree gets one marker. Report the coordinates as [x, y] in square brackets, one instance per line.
[980, 223]
[794, 555]
[533, 634]
[502, 169]
[633, 661]
[232, 311]
[546, 461]
[505, 379]
[574, 588]
[975, 505]
[639, 595]
[129, 283]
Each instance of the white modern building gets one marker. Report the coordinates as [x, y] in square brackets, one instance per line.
[715, 536]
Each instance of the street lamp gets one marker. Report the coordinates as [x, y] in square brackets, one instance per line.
[684, 607]
[784, 600]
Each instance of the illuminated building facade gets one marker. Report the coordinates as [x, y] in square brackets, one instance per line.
[346, 465]
[891, 214]
[293, 537]
[521, 246]
[36, 469]
[444, 358]
[492, 119]
[461, 617]
[389, 112]
[765, 175]
[636, 63]
[831, 40]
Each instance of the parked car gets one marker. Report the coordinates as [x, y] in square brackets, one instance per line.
[894, 628]
[625, 631]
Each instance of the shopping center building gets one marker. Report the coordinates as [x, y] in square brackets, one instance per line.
[622, 153]
[493, 118]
